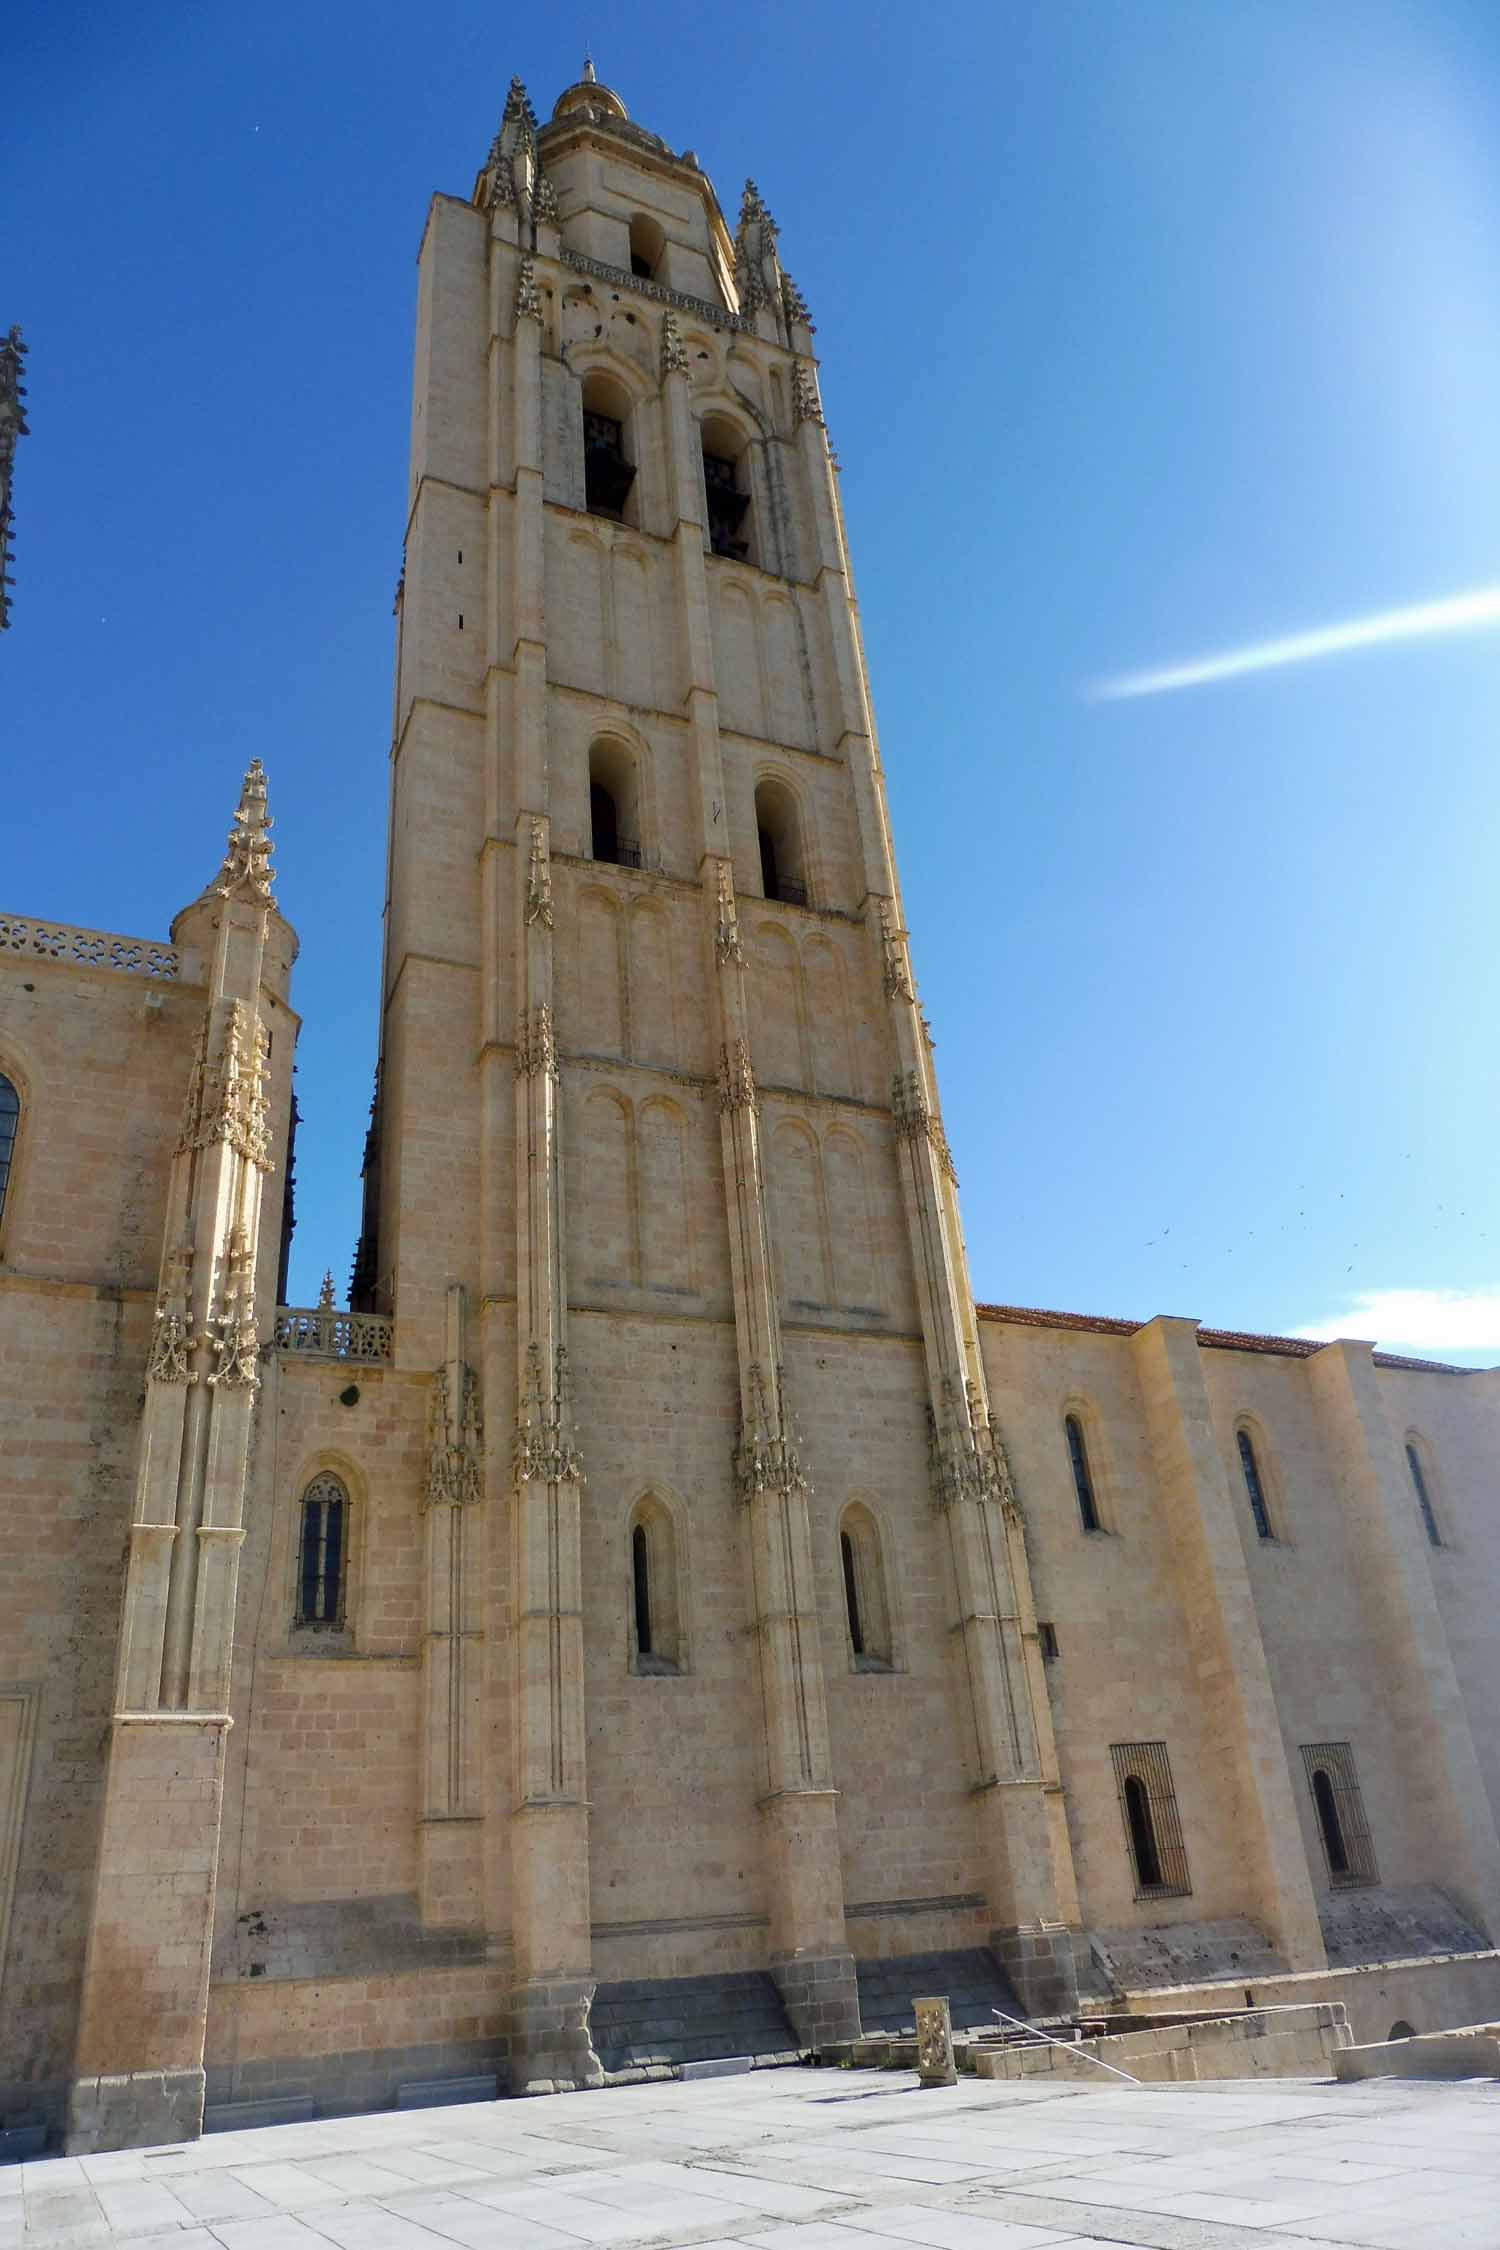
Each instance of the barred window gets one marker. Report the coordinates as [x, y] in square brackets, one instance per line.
[1083, 1482]
[1253, 1486]
[325, 1524]
[1348, 1852]
[1153, 1832]
[10, 1119]
[1424, 1497]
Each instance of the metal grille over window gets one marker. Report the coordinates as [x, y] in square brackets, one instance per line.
[1413, 1462]
[1254, 1487]
[10, 1118]
[320, 1584]
[1148, 1806]
[607, 475]
[726, 507]
[1348, 1851]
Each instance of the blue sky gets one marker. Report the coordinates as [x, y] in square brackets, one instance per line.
[1148, 329]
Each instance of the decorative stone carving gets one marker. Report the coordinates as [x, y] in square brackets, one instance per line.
[916, 1120]
[172, 1327]
[539, 878]
[935, 2064]
[806, 404]
[765, 1459]
[235, 1344]
[897, 975]
[718, 316]
[455, 1458]
[536, 1046]
[756, 273]
[226, 1096]
[528, 296]
[322, 1333]
[794, 305]
[674, 358]
[965, 1455]
[246, 872]
[736, 1078]
[727, 944]
[88, 949]
[546, 1448]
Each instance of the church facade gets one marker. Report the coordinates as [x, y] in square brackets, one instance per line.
[665, 1615]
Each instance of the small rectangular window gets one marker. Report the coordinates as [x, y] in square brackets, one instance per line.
[1348, 1853]
[1047, 1637]
[1148, 1807]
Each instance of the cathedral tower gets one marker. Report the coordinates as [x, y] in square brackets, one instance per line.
[657, 1176]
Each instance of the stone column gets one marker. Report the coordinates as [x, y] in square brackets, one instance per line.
[810, 1957]
[450, 1876]
[1023, 1836]
[138, 2069]
[551, 2048]
[1442, 1773]
[1236, 1694]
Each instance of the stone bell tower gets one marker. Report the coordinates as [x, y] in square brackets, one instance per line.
[657, 1131]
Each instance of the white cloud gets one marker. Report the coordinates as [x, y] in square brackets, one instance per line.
[1418, 1320]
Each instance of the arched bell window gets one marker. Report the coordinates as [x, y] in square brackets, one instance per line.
[783, 859]
[323, 1552]
[657, 1641]
[608, 460]
[726, 490]
[647, 242]
[615, 805]
[10, 1125]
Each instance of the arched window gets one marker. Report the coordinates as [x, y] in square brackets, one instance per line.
[608, 471]
[1332, 1827]
[1142, 1834]
[783, 863]
[1400, 2029]
[10, 1119]
[647, 243]
[726, 488]
[614, 805]
[657, 1642]
[1153, 1831]
[1083, 1482]
[1424, 1497]
[867, 1609]
[1348, 1851]
[325, 1535]
[1253, 1486]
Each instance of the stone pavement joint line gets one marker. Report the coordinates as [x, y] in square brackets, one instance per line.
[813, 2160]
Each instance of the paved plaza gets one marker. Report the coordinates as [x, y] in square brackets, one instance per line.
[812, 2160]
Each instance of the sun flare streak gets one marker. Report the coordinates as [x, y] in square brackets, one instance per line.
[1460, 613]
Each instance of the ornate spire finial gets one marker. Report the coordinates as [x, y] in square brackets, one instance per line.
[246, 872]
[325, 1294]
[518, 106]
[590, 77]
[12, 426]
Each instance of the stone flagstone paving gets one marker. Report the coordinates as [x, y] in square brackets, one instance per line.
[813, 2160]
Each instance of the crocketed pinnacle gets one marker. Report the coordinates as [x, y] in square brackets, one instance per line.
[246, 872]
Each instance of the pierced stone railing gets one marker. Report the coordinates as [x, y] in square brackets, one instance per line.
[88, 949]
[699, 307]
[318, 1332]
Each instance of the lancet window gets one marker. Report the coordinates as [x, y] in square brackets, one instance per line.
[1424, 1498]
[1255, 1490]
[1153, 1831]
[1083, 1475]
[867, 1609]
[325, 1534]
[10, 1121]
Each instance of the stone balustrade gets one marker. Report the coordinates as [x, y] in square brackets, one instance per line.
[87, 949]
[318, 1332]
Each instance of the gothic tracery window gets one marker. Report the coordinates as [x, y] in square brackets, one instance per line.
[321, 1569]
[10, 1119]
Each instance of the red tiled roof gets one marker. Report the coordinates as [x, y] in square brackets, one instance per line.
[1214, 1339]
